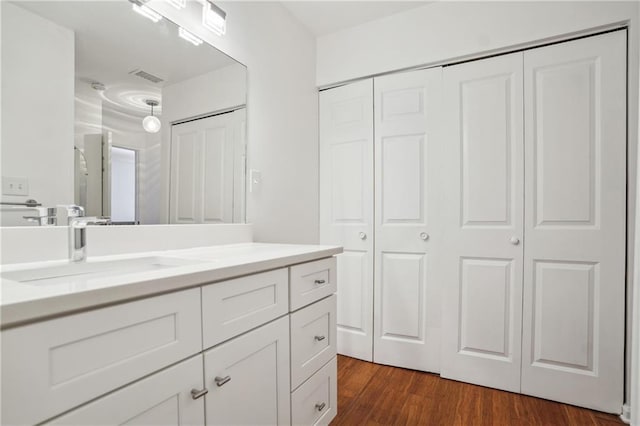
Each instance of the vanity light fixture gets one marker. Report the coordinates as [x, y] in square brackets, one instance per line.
[214, 18]
[178, 4]
[186, 35]
[151, 123]
[147, 12]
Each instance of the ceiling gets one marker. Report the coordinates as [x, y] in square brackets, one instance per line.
[324, 17]
[108, 53]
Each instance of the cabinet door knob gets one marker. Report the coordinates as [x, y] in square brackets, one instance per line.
[319, 338]
[319, 281]
[195, 393]
[362, 236]
[320, 407]
[220, 381]
[424, 236]
[514, 240]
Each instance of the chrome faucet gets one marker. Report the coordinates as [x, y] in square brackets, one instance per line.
[78, 222]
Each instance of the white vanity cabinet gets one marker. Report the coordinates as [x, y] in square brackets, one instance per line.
[229, 352]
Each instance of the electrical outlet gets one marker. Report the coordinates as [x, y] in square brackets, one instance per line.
[15, 185]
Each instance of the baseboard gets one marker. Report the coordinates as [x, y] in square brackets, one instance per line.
[626, 414]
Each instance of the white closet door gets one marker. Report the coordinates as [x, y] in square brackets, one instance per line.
[346, 208]
[202, 169]
[575, 109]
[407, 296]
[482, 219]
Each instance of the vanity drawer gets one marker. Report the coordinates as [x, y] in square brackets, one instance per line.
[313, 339]
[312, 281]
[316, 401]
[232, 307]
[52, 366]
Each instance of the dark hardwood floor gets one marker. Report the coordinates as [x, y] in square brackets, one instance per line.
[380, 395]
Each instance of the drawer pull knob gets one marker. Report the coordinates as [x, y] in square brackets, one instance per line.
[320, 407]
[319, 281]
[195, 393]
[220, 381]
[319, 338]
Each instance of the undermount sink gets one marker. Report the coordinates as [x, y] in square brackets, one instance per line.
[55, 274]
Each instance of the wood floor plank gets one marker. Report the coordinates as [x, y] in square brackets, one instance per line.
[373, 394]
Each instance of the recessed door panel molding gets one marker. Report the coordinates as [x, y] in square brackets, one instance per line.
[567, 141]
[575, 199]
[403, 301]
[485, 307]
[402, 167]
[564, 305]
[185, 149]
[217, 164]
[481, 215]
[346, 208]
[402, 103]
[407, 293]
[353, 270]
[487, 161]
[348, 172]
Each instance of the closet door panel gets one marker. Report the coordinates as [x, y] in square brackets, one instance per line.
[481, 255]
[407, 297]
[185, 146]
[346, 208]
[574, 276]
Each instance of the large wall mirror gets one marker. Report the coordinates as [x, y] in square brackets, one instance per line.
[130, 118]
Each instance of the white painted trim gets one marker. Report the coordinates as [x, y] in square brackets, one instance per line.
[633, 406]
[626, 414]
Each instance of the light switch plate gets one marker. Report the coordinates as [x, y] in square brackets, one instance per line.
[255, 179]
[15, 185]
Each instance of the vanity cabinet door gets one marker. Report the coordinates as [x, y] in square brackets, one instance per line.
[248, 378]
[164, 398]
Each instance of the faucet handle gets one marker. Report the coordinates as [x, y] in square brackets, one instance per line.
[66, 212]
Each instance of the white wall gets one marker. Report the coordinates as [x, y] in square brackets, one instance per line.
[444, 32]
[282, 112]
[37, 106]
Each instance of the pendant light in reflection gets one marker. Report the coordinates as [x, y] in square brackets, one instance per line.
[151, 123]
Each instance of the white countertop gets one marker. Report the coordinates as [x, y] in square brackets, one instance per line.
[22, 302]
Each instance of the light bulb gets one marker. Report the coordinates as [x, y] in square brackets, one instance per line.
[151, 124]
[214, 18]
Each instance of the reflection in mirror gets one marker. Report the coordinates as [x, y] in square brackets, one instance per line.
[132, 119]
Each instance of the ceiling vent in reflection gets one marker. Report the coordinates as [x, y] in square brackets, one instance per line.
[147, 76]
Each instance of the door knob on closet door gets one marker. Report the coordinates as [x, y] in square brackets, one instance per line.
[514, 240]
[362, 236]
[424, 236]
